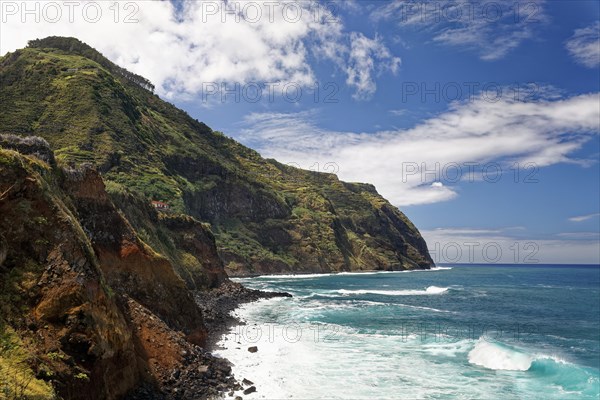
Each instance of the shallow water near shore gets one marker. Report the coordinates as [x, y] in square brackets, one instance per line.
[461, 332]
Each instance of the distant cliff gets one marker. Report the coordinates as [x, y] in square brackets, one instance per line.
[266, 217]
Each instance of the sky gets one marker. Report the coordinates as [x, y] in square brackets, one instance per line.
[480, 120]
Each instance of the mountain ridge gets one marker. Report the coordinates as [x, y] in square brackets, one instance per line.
[266, 217]
[257, 207]
[105, 296]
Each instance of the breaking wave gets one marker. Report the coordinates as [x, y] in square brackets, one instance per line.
[431, 290]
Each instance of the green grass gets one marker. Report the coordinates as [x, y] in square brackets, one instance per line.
[17, 379]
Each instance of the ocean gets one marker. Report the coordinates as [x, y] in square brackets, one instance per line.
[462, 331]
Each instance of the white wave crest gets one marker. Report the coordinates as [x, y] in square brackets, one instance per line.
[308, 276]
[429, 291]
[293, 276]
[497, 357]
[423, 308]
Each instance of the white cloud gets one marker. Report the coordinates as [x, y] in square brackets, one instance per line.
[183, 49]
[491, 28]
[580, 235]
[582, 218]
[539, 131]
[365, 54]
[584, 45]
[399, 112]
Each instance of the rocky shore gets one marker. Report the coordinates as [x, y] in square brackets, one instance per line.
[217, 304]
[202, 375]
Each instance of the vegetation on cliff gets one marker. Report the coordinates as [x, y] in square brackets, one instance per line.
[266, 217]
[88, 310]
[101, 294]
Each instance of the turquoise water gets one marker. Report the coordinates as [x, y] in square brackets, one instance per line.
[462, 332]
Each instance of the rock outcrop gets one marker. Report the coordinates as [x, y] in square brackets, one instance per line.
[98, 311]
[56, 296]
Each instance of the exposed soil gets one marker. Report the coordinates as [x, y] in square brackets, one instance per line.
[194, 373]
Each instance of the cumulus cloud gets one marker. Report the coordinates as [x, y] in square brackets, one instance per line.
[420, 165]
[491, 28]
[584, 45]
[183, 47]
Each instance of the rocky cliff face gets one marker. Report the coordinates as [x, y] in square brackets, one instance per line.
[265, 217]
[96, 311]
[55, 294]
[129, 265]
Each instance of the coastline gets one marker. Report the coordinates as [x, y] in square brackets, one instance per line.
[362, 359]
[202, 374]
[217, 306]
[207, 374]
[308, 273]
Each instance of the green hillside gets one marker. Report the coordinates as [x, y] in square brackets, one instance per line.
[266, 217]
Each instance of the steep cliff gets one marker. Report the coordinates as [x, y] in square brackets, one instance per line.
[54, 288]
[88, 311]
[266, 217]
[102, 295]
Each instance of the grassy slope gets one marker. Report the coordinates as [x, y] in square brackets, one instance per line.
[266, 217]
[17, 380]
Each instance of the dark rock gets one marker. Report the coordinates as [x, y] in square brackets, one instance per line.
[251, 389]
[253, 349]
[3, 249]
[30, 145]
[247, 382]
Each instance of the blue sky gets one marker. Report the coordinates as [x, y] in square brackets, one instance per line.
[389, 106]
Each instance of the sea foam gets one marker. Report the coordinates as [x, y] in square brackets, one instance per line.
[431, 290]
[310, 276]
[499, 357]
